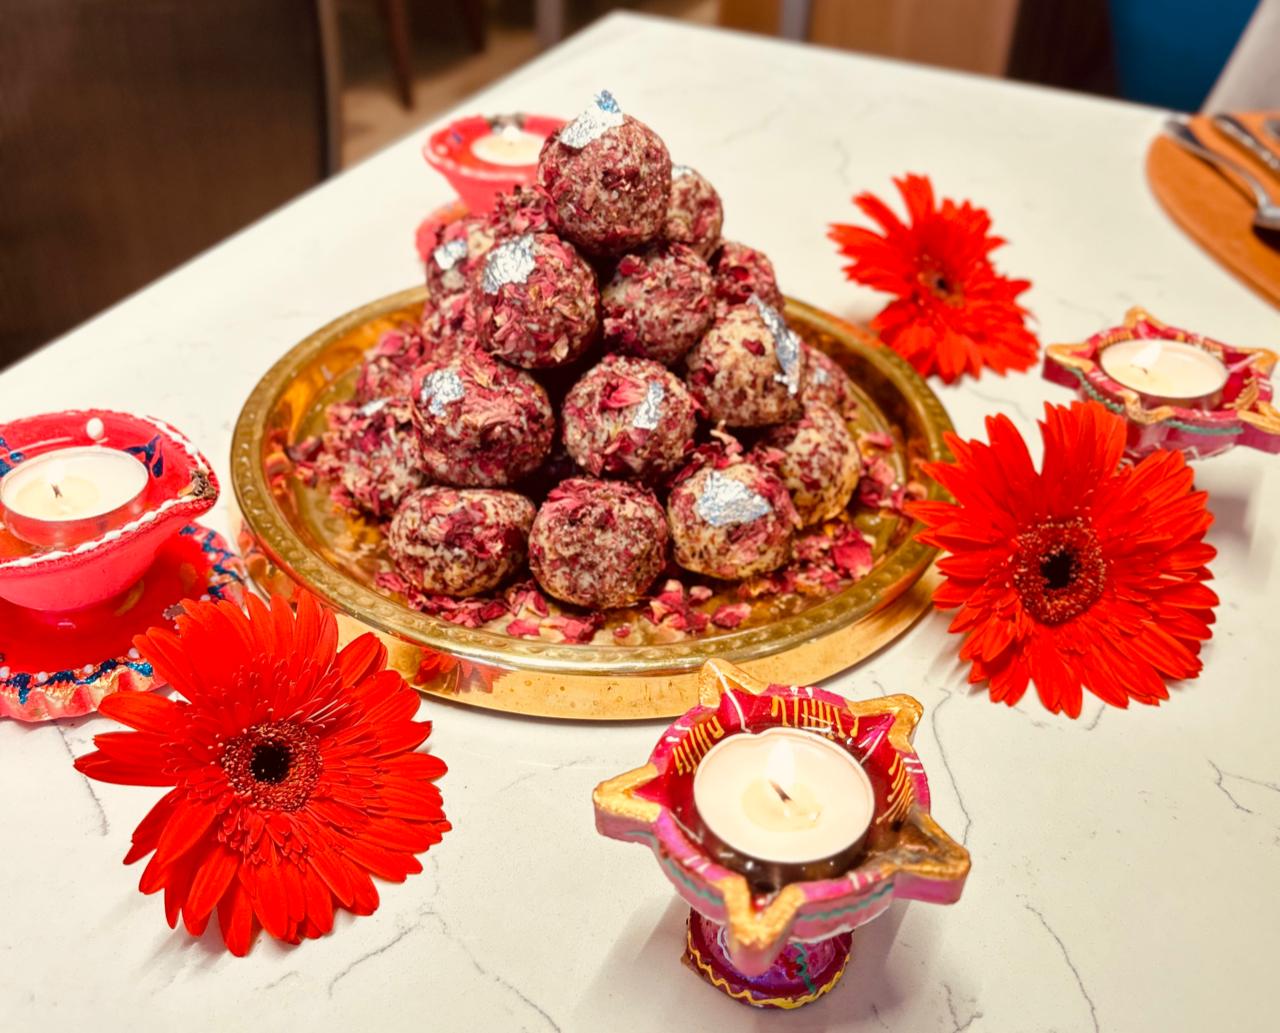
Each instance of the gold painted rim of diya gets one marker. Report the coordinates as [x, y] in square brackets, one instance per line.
[563, 680]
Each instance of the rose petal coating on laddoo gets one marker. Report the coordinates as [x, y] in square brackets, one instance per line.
[629, 417]
[731, 518]
[747, 369]
[458, 245]
[460, 541]
[535, 301]
[387, 370]
[817, 459]
[608, 177]
[448, 326]
[516, 212]
[658, 303]
[826, 382]
[598, 544]
[373, 453]
[695, 215]
[739, 272]
[480, 422]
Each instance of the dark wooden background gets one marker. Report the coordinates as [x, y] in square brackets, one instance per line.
[136, 133]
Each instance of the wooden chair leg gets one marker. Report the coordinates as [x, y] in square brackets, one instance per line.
[395, 14]
[473, 20]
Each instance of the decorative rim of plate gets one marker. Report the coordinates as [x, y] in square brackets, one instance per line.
[899, 568]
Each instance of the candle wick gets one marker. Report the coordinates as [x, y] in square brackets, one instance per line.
[57, 492]
[783, 795]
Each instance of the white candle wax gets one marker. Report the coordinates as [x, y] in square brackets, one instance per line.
[1165, 369]
[785, 795]
[510, 145]
[72, 484]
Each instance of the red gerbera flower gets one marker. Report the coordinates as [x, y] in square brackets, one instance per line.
[1084, 573]
[292, 765]
[954, 313]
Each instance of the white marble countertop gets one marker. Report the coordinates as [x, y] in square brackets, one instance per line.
[1124, 864]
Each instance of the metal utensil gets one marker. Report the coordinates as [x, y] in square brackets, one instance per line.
[1243, 135]
[1266, 219]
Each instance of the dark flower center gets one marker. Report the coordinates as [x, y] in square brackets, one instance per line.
[1058, 569]
[270, 762]
[937, 283]
[275, 764]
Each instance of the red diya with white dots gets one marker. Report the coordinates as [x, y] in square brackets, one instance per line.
[1176, 389]
[483, 156]
[97, 544]
[781, 858]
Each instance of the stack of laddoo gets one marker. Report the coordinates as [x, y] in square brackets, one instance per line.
[594, 343]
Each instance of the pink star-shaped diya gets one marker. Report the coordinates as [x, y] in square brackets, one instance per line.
[785, 947]
[1239, 413]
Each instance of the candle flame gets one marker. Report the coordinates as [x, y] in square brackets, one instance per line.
[1148, 356]
[780, 776]
[780, 768]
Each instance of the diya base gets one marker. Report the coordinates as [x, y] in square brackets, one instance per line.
[802, 973]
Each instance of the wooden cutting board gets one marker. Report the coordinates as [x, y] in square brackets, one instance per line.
[1213, 211]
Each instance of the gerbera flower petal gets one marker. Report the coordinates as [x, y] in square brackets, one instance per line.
[360, 658]
[953, 313]
[1085, 575]
[292, 765]
[143, 711]
[235, 919]
[216, 870]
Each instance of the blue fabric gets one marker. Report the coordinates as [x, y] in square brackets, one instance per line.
[1169, 52]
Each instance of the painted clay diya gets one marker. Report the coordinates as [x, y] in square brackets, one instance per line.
[61, 665]
[1239, 413]
[180, 486]
[484, 155]
[786, 948]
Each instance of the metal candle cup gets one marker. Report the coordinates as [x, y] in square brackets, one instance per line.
[1165, 372]
[783, 805]
[72, 495]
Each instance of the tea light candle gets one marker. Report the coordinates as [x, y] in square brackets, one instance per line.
[70, 495]
[783, 805]
[509, 145]
[1167, 372]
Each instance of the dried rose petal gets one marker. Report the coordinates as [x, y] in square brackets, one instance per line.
[694, 214]
[630, 418]
[612, 194]
[598, 543]
[460, 541]
[372, 454]
[731, 522]
[738, 272]
[387, 370]
[453, 252]
[817, 460]
[827, 382]
[523, 210]
[730, 615]
[658, 303]
[737, 372]
[535, 301]
[480, 423]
